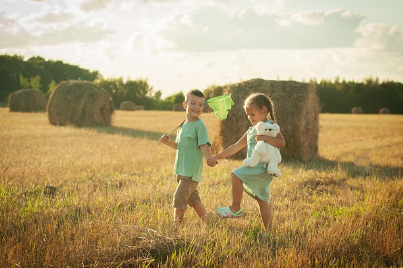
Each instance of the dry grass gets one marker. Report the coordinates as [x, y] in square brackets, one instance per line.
[112, 205]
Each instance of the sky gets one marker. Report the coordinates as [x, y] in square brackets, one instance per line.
[178, 45]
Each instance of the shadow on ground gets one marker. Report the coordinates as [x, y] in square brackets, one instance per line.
[129, 132]
[350, 168]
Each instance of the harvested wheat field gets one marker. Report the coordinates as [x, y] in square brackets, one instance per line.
[101, 197]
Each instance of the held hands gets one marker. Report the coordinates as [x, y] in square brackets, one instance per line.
[212, 161]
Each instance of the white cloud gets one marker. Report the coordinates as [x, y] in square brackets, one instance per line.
[72, 34]
[12, 34]
[91, 5]
[49, 29]
[380, 37]
[128, 5]
[53, 17]
[308, 18]
[215, 29]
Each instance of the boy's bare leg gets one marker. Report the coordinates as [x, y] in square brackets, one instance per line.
[201, 211]
[266, 213]
[178, 215]
[237, 191]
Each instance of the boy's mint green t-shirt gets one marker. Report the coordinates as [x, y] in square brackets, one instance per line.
[189, 158]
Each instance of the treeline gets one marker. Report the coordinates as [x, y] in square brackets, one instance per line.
[336, 96]
[341, 96]
[371, 95]
[37, 73]
[45, 75]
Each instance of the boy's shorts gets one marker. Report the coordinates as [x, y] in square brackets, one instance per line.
[186, 193]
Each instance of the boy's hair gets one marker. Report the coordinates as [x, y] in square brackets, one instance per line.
[260, 100]
[194, 92]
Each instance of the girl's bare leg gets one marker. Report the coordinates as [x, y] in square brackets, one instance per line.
[237, 191]
[266, 213]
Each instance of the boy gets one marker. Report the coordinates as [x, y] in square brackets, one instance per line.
[191, 144]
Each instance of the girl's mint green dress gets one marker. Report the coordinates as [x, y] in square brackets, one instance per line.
[255, 180]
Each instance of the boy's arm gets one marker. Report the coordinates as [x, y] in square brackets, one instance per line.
[278, 141]
[167, 141]
[205, 149]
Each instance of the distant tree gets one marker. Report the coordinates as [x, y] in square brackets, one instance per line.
[157, 95]
[36, 82]
[177, 98]
[137, 91]
[51, 87]
[213, 91]
[24, 82]
[10, 69]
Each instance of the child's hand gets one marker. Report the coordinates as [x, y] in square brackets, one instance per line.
[209, 163]
[212, 161]
[164, 139]
[260, 137]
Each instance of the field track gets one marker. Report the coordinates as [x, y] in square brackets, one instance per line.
[101, 197]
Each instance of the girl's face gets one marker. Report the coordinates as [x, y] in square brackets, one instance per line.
[256, 115]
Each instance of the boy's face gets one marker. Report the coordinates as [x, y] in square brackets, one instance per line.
[194, 106]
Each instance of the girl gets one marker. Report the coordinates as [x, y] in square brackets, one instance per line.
[253, 180]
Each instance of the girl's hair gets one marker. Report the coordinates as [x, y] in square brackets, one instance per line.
[260, 100]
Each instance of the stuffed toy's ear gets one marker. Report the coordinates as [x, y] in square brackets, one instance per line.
[277, 127]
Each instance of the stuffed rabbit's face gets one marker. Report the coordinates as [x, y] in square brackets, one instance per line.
[267, 129]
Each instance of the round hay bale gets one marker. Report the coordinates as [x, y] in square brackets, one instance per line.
[356, 110]
[296, 110]
[27, 100]
[207, 109]
[79, 103]
[178, 107]
[384, 110]
[127, 106]
[140, 107]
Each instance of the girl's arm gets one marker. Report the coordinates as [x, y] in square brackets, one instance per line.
[278, 141]
[234, 148]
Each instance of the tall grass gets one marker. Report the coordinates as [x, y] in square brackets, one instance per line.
[114, 186]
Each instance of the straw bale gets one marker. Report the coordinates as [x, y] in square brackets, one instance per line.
[356, 110]
[127, 106]
[140, 107]
[384, 110]
[27, 100]
[80, 103]
[178, 107]
[296, 110]
[207, 109]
